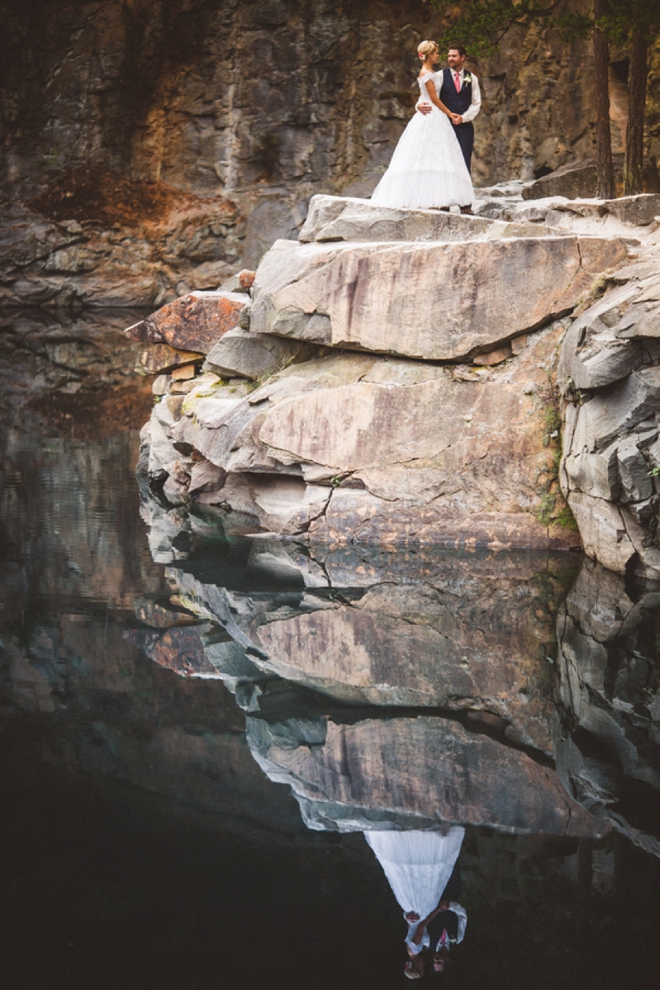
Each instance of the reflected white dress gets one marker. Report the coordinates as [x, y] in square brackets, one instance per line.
[417, 864]
[427, 168]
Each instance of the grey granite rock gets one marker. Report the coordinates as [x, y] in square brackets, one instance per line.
[333, 218]
[608, 371]
[369, 296]
[241, 353]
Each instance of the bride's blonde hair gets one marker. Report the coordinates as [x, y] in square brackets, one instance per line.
[426, 48]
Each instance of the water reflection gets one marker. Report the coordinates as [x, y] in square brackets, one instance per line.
[438, 667]
[397, 693]
[424, 873]
[608, 717]
[512, 698]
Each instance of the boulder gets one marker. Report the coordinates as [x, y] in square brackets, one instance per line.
[636, 483]
[603, 530]
[608, 359]
[615, 413]
[378, 296]
[161, 357]
[333, 218]
[192, 323]
[181, 650]
[253, 355]
[576, 180]
[595, 353]
[240, 282]
[352, 775]
[633, 211]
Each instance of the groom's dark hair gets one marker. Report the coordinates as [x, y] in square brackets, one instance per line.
[457, 48]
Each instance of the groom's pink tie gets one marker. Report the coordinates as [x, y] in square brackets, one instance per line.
[457, 82]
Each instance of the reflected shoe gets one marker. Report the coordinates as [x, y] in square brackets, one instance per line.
[467, 211]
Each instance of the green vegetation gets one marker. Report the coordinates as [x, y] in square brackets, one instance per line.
[630, 24]
[553, 509]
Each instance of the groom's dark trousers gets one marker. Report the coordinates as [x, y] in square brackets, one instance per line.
[459, 103]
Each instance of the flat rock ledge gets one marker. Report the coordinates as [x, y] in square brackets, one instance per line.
[395, 377]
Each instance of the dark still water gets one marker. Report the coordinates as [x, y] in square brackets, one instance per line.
[198, 731]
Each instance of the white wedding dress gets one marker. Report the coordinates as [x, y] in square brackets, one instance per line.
[417, 864]
[427, 168]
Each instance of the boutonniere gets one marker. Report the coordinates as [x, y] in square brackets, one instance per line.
[467, 79]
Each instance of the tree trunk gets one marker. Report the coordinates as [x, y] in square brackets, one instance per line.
[601, 83]
[634, 161]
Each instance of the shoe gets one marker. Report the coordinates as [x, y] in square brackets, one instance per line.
[467, 211]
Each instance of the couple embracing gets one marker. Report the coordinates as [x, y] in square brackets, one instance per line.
[430, 167]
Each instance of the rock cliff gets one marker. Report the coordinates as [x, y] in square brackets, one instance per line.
[395, 376]
[152, 148]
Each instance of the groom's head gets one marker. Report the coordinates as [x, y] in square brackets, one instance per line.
[456, 56]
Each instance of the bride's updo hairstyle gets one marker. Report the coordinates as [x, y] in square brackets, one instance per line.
[426, 48]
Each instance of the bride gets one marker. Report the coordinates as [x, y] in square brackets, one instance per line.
[427, 170]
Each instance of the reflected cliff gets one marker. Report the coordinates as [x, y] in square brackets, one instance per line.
[607, 730]
[522, 688]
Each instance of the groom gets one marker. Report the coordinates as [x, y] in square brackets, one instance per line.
[459, 91]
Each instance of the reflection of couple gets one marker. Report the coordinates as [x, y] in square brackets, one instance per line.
[430, 167]
[423, 872]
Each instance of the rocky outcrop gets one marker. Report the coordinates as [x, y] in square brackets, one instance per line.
[609, 376]
[341, 446]
[379, 297]
[608, 726]
[576, 180]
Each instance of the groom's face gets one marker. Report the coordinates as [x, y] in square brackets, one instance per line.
[455, 60]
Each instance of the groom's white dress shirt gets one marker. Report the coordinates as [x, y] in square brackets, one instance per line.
[475, 105]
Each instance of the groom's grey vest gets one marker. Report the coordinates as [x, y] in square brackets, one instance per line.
[456, 102]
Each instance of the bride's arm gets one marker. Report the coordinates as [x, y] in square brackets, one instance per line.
[433, 97]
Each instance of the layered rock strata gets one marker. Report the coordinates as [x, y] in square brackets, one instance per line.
[405, 368]
[413, 771]
[610, 379]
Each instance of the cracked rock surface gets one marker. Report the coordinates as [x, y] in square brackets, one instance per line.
[398, 376]
[609, 374]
